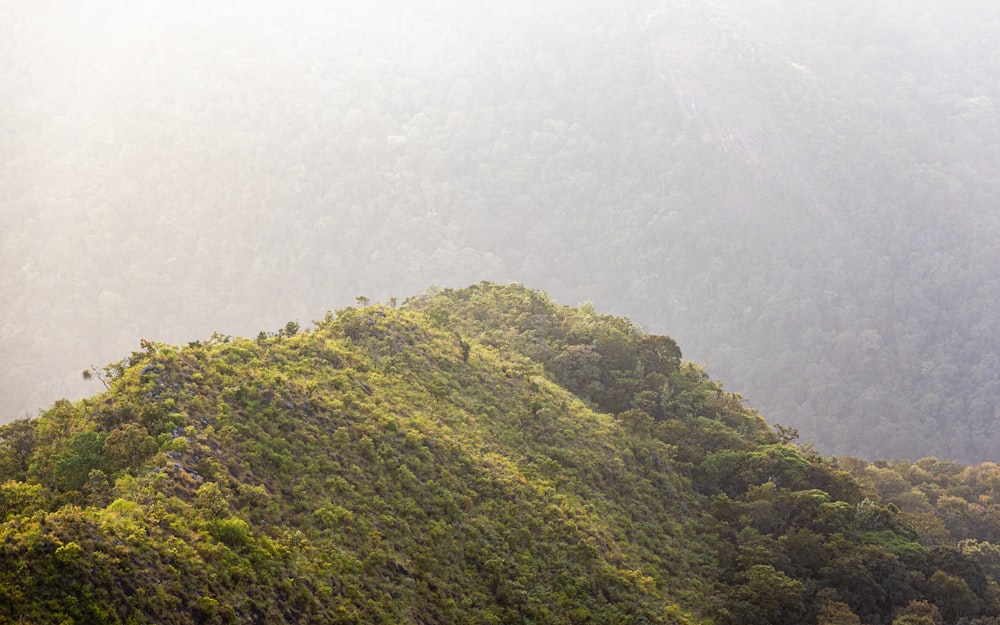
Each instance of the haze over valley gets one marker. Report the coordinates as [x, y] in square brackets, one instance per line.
[802, 194]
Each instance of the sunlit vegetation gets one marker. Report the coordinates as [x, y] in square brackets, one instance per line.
[480, 455]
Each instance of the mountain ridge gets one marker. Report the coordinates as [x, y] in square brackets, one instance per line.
[473, 455]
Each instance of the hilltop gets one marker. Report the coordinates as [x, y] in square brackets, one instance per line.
[479, 455]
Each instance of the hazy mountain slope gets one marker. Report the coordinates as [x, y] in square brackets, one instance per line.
[420, 464]
[802, 194]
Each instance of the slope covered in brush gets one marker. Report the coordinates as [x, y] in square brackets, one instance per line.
[474, 456]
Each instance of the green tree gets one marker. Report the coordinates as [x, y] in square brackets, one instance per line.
[837, 613]
[636, 420]
[17, 442]
[919, 612]
[659, 354]
[83, 453]
[127, 447]
[953, 596]
[578, 367]
[768, 597]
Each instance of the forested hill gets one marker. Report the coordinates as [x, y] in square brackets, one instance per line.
[802, 192]
[481, 455]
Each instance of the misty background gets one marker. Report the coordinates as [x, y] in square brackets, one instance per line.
[803, 195]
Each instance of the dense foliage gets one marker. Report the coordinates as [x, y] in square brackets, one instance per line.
[481, 455]
[803, 193]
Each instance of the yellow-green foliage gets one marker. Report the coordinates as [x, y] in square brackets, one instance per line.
[476, 456]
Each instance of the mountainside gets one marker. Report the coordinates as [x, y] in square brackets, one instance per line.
[801, 192]
[481, 455]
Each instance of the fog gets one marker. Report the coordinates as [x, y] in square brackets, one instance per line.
[802, 195]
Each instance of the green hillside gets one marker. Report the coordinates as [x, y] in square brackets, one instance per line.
[481, 455]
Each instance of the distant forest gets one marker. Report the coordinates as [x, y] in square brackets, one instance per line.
[803, 194]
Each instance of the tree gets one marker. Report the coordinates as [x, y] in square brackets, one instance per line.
[636, 420]
[919, 613]
[837, 613]
[953, 595]
[128, 447]
[578, 368]
[658, 354]
[17, 442]
[71, 468]
[768, 597]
